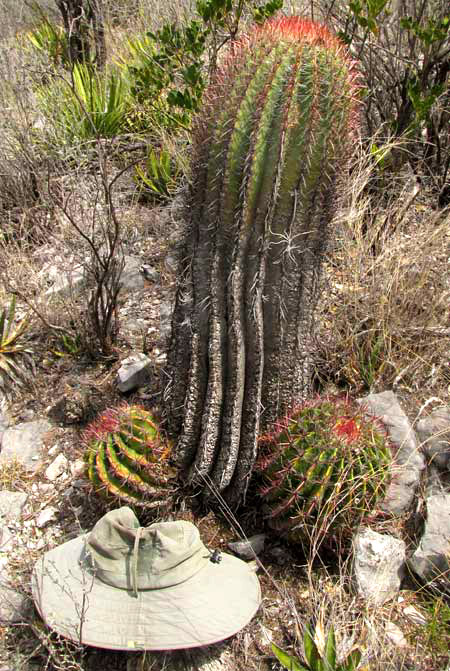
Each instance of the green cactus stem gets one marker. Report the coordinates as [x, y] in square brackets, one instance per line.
[127, 459]
[270, 148]
[324, 466]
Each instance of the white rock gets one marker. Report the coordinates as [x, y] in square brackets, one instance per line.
[45, 516]
[395, 635]
[415, 615]
[378, 565]
[24, 442]
[11, 505]
[134, 372]
[53, 450]
[77, 468]
[13, 605]
[56, 468]
[432, 557]
[408, 462]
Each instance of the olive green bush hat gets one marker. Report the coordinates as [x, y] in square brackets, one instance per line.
[126, 587]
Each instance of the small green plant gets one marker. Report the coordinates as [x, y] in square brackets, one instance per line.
[324, 467]
[127, 458]
[93, 105]
[50, 40]
[158, 179]
[15, 357]
[314, 660]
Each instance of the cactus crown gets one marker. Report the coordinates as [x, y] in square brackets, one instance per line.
[127, 458]
[324, 466]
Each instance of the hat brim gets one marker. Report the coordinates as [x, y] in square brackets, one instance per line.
[211, 606]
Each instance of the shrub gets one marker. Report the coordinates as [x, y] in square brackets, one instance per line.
[127, 458]
[324, 467]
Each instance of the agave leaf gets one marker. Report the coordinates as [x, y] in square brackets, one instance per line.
[352, 661]
[290, 663]
[330, 651]
[311, 651]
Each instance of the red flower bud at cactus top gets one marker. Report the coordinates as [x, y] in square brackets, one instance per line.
[347, 429]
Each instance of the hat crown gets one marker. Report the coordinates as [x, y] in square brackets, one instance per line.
[122, 553]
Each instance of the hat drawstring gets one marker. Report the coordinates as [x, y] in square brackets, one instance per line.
[135, 561]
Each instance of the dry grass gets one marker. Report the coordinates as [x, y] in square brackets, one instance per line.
[383, 316]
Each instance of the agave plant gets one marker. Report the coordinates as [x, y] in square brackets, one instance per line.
[316, 660]
[324, 467]
[15, 357]
[127, 457]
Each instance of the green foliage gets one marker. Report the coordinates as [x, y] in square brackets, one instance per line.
[157, 181]
[50, 39]
[15, 356]
[325, 466]
[127, 458]
[170, 65]
[314, 660]
[93, 105]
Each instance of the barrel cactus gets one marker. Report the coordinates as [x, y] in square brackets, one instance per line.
[270, 147]
[325, 466]
[127, 459]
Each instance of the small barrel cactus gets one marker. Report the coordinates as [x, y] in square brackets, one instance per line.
[324, 467]
[127, 458]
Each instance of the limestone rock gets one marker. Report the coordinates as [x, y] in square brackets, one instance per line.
[134, 372]
[395, 635]
[57, 468]
[132, 278]
[408, 462]
[378, 565]
[249, 548]
[13, 605]
[11, 505]
[45, 516]
[24, 442]
[431, 559]
[434, 436]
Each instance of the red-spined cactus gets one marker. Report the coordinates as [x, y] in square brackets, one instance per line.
[325, 467]
[270, 147]
[127, 458]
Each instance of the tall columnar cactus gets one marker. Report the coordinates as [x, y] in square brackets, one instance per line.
[325, 467]
[269, 149]
[127, 458]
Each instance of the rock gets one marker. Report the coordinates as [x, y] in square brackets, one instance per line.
[132, 278]
[395, 635]
[5, 539]
[24, 442]
[415, 615]
[56, 468]
[134, 372]
[150, 273]
[77, 468]
[45, 516]
[408, 462]
[13, 605]
[378, 565]
[431, 559]
[249, 548]
[434, 436]
[11, 505]
[65, 280]
[165, 317]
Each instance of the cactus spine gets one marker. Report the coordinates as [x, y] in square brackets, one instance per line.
[127, 458]
[269, 145]
[324, 467]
